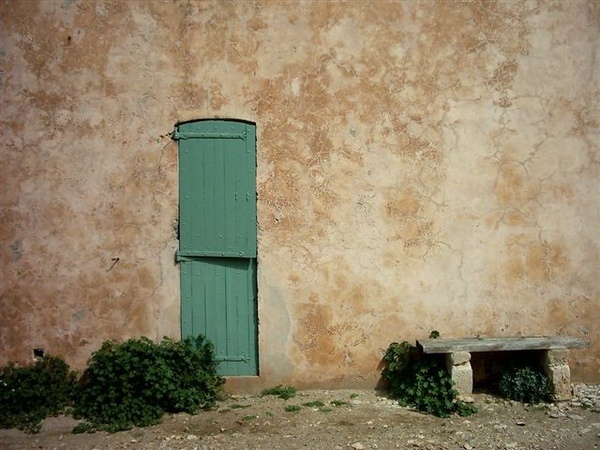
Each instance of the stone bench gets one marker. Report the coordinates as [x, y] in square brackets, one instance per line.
[555, 357]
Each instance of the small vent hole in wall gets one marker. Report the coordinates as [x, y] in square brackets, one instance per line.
[38, 353]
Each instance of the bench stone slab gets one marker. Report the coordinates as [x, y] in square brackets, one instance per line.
[500, 344]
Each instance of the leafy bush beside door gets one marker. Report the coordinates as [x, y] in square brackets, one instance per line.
[134, 383]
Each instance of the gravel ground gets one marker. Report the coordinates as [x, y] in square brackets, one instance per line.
[346, 420]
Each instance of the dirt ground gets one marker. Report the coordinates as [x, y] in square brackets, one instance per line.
[346, 420]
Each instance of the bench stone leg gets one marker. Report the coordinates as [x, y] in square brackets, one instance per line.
[556, 366]
[459, 367]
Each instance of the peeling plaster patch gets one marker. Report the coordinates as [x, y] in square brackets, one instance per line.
[17, 249]
[296, 86]
[79, 315]
[324, 341]
[2, 69]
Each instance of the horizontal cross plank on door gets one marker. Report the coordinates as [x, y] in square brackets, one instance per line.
[500, 344]
[191, 255]
[178, 135]
[243, 358]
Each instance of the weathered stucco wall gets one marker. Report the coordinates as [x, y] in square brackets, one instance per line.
[421, 165]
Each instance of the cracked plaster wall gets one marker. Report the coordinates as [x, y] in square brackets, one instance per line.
[421, 165]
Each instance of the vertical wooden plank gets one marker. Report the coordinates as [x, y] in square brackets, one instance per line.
[187, 325]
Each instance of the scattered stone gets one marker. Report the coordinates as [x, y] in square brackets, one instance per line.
[357, 446]
[520, 423]
[555, 412]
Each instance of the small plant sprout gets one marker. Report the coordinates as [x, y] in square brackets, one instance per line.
[314, 404]
[284, 392]
[339, 403]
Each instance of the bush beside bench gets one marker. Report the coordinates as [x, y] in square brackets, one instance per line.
[555, 357]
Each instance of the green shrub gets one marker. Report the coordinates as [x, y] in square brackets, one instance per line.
[525, 384]
[421, 381]
[284, 392]
[31, 393]
[134, 383]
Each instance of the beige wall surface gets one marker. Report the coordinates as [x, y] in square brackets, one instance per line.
[421, 165]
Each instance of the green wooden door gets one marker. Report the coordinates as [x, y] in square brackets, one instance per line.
[217, 239]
